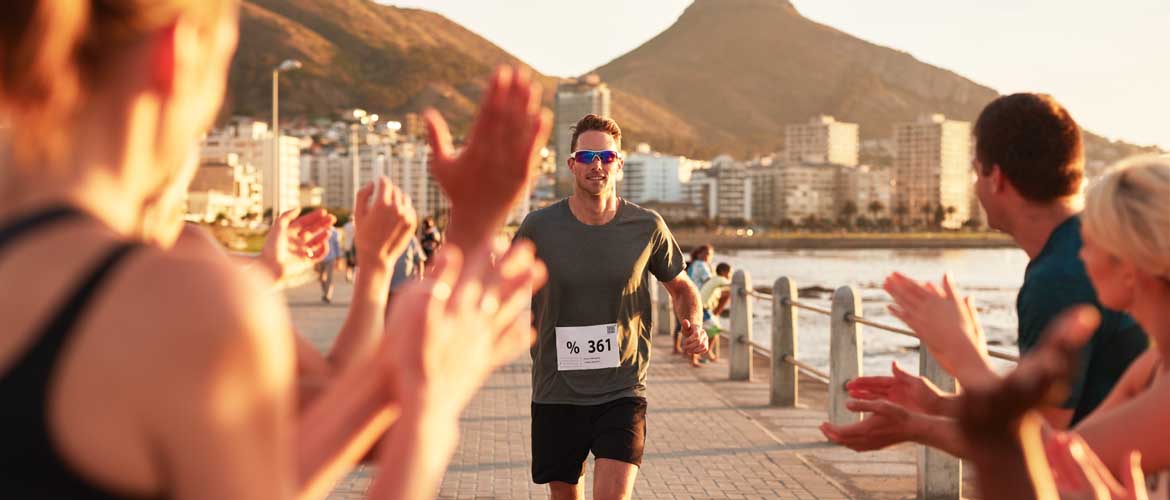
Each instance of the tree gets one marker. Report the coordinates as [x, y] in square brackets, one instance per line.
[901, 211]
[940, 215]
[875, 209]
[926, 209]
[848, 210]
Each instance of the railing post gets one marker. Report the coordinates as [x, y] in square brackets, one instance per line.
[844, 354]
[785, 384]
[740, 361]
[940, 476]
[663, 314]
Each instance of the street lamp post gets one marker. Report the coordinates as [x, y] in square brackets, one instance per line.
[276, 182]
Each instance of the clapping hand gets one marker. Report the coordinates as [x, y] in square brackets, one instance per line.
[495, 167]
[888, 424]
[1080, 475]
[945, 322]
[296, 242]
[996, 417]
[910, 391]
[384, 222]
[450, 330]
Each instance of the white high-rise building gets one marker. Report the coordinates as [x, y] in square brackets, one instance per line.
[822, 140]
[721, 189]
[649, 176]
[332, 170]
[251, 140]
[793, 192]
[409, 171]
[932, 171]
[703, 192]
[575, 99]
[867, 186]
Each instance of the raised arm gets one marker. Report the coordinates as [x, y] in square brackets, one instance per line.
[384, 221]
[486, 179]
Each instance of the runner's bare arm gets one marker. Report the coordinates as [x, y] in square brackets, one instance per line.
[685, 298]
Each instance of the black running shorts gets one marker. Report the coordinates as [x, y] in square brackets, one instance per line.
[563, 436]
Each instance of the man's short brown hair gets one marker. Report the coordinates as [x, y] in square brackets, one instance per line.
[598, 123]
[1036, 144]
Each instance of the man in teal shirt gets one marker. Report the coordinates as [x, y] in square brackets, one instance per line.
[1029, 162]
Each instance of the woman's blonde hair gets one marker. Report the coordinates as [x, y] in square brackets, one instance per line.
[53, 52]
[1127, 212]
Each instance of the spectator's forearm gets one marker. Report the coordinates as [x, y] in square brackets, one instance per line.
[365, 324]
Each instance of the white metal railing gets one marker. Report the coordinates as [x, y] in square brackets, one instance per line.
[939, 474]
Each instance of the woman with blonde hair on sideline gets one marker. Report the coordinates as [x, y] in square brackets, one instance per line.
[1126, 253]
[128, 370]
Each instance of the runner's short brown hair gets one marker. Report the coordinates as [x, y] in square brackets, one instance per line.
[598, 123]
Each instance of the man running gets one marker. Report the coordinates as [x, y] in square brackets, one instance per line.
[593, 321]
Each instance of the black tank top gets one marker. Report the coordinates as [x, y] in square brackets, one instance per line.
[30, 466]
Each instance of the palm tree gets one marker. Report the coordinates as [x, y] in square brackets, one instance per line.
[847, 212]
[901, 211]
[926, 210]
[875, 208]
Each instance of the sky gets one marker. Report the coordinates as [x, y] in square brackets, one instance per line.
[1108, 63]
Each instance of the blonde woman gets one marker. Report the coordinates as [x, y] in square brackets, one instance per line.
[130, 371]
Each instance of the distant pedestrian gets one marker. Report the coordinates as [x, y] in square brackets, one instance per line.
[327, 265]
[409, 265]
[699, 268]
[350, 232]
[715, 296]
[432, 239]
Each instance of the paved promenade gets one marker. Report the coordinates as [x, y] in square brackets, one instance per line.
[707, 437]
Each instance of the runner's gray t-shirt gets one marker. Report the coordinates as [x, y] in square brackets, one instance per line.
[597, 275]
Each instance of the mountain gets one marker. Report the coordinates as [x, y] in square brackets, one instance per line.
[738, 71]
[357, 53]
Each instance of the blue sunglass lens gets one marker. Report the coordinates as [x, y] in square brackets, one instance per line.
[590, 156]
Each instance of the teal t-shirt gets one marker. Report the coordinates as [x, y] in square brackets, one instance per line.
[1054, 281]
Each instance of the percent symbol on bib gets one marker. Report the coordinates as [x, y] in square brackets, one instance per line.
[572, 346]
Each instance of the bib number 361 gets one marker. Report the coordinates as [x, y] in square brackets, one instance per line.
[587, 347]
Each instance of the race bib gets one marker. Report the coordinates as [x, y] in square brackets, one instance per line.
[587, 347]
